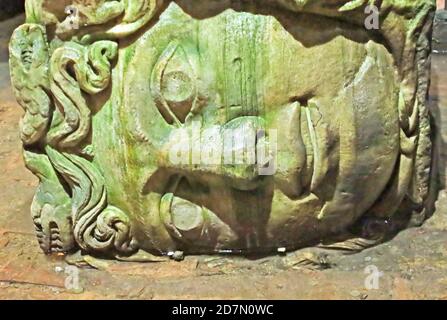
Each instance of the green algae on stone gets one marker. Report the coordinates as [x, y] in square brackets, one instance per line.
[207, 127]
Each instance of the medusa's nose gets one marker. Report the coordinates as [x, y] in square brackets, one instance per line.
[238, 150]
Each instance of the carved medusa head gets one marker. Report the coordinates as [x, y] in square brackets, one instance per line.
[243, 127]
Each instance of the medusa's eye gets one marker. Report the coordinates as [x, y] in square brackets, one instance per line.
[176, 87]
[173, 85]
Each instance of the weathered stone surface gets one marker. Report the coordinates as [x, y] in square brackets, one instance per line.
[127, 102]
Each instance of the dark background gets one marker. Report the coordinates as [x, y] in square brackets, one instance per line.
[9, 8]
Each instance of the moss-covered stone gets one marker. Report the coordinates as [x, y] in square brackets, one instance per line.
[224, 126]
